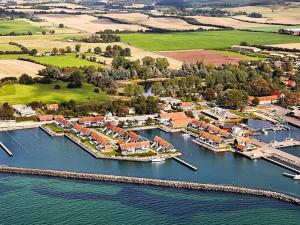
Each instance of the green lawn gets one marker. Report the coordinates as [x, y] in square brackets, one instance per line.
[203, 40]
[62, 60]
[17, 26]
[24, 94]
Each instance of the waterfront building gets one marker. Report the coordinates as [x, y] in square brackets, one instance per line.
[211, 140]
[174, 120]
[198, 125]
[221, 115]
[66, 124]
[131, 136]
[45, 118]
[116, 132]
[58, 120]
[162, 145]
[135, 147]
[98, 139]
[24, 110]
[242, 143]
[92, 121]
[129, 121]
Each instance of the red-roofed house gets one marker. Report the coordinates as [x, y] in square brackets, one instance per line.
[186, 105]
[52, 107]
[161, 144]
[132, 137]
[45, 118]
[135, 147]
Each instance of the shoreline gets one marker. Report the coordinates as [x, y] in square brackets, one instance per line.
[151, 182]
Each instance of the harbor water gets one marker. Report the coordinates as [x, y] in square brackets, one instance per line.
[33, 148]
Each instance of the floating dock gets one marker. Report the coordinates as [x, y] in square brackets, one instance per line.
[185, 163]
[5, 149]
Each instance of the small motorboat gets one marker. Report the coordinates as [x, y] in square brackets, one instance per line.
[158, 159]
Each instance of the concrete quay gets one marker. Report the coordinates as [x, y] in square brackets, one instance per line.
[269, 151]
[152, 182]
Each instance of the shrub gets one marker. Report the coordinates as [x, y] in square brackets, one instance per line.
[57, 86]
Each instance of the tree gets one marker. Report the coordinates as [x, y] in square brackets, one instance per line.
[126, 52]
[43, 32]
[77, 47]
[210, 94]
[234, 99]
[61, 51]
[289, 99]
[57, 87]
[133, 90]
[97, 50]
[68, 49]
[54, 51]
[162, 63]
[33, 52]
[148, 61]
[26, 79]
[255, 101]
[157, 88]
[61, 25]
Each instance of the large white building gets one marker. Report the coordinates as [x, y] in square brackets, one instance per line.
[24, 110]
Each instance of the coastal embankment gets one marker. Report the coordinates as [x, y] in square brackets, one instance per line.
[153, 182]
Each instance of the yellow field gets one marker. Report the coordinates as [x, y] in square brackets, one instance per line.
[15, 68]
[226, 21]
[282, 14]
[162, 23]
[88, 23]
[289, 45]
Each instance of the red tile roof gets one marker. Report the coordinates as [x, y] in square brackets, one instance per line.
[133, 136]
[162, 142]
[45, 118]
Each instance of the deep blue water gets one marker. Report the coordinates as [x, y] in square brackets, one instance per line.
[35, 149]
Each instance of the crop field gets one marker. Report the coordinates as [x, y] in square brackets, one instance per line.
[62, 60]
[17, 26]
[15, 68]
[88, 23]
[211, 57]
[203, 40]
[229, 22]
[160, 22]
[24, 94]
[281, 14]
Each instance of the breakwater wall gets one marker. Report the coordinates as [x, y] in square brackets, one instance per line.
[152, 182]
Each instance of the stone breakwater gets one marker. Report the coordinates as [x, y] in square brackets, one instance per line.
[153, 182]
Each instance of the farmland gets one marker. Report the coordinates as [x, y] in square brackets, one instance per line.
[203, 40]
[62, 60]
[281, 14]
[18, 26]
[15, 68]
[24, 94]
[212, 57]
[88, 23]
[168, 23]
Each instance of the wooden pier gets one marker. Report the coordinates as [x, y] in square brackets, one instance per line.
[185, 163]
[5, 149]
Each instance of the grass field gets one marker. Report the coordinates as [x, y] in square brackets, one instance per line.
[203, 40]
[62, 61]
[271, 28]
[17, 26]
[24, 94]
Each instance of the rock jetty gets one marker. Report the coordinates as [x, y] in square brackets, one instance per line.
[152, 182]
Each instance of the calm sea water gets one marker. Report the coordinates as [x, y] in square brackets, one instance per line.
[35, 149]
[37, 200]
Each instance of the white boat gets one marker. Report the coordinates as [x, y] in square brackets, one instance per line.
[185, 135]
[158, 159]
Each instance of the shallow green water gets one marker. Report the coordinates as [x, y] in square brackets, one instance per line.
[38, 200]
